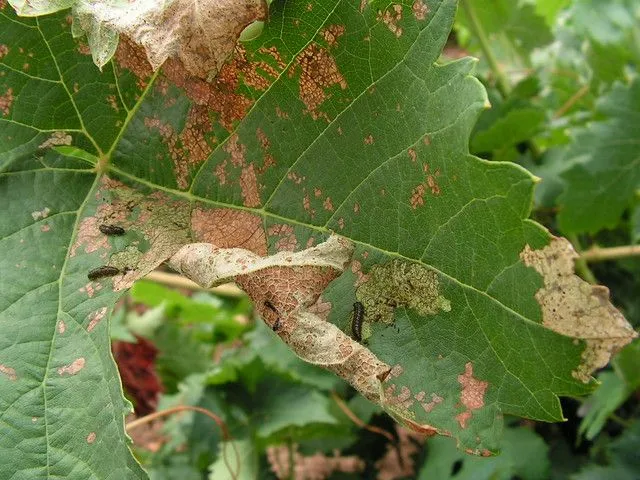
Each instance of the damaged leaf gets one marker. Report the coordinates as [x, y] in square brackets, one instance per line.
[326, 164]
[201, 33]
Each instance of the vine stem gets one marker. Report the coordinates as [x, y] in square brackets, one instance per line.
[597, 254]
[181, 408]
[179, 281]
[581, 264]
[354, 418]
[476, 27]
[571, 101]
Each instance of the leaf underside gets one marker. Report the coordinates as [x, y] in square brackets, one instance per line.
[335, 119]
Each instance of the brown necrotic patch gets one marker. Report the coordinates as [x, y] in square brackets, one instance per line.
[9, 372]
[157, 220]
[472, 394]
[73, 368]
[318, 72]
[6, 102]
[420, 10]
[132, 57]
[189, 148]
[391, 17]
[96, 317]
[332, 33]
[228, 228]
[287, 241]
[572, 307]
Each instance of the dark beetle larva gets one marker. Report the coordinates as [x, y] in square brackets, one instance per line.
[276, 325]
[356, 323]
[103, 271]
[111, 229]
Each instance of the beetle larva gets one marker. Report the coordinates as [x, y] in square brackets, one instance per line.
[356, 323]
[276, 325]
[103, 271]
[111, 229]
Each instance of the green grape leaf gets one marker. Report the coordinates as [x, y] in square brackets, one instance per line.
[513, 28]
[605, 177]
[611, 393]
[524, 455]
[326, 163]
[228, 470]
[622, 458]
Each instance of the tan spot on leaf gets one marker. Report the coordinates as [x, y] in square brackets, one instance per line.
[282, 114]
[463, 418]
[227, 228]
[332, 33]
[83, 49]
[390, 17]
[45, 228]
[287, 239]
[6, 102]
[3, 50]
[9, 372]
[472, 394]
[189, 148]
[306, 204]
[249, 187]
[572, 307]
[435, 401]
[295, 178]
[473, 390]
[356, 207]
[89, 237]
[221, 172]
[412, 154]
[368, 140]
[420, 10]
[356, 268]
[113, 102]
[91, 437]
[95, 318]
[39, 214]
[433, 185]
[318, 71]
[417, 196]
[62, 327]
[328, 204]
[73, 368]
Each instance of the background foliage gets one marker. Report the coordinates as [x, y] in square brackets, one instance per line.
[562, 81]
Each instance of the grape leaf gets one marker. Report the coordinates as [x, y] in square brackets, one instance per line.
[524, 455]
[603, 181]
[513, 28]
[332, 139]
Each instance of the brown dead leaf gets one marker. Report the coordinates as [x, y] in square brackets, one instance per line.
[573, 307]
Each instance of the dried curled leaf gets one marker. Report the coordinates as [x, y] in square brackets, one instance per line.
[201, 33]
[284, 286]
[572, 307]
[208, 265]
